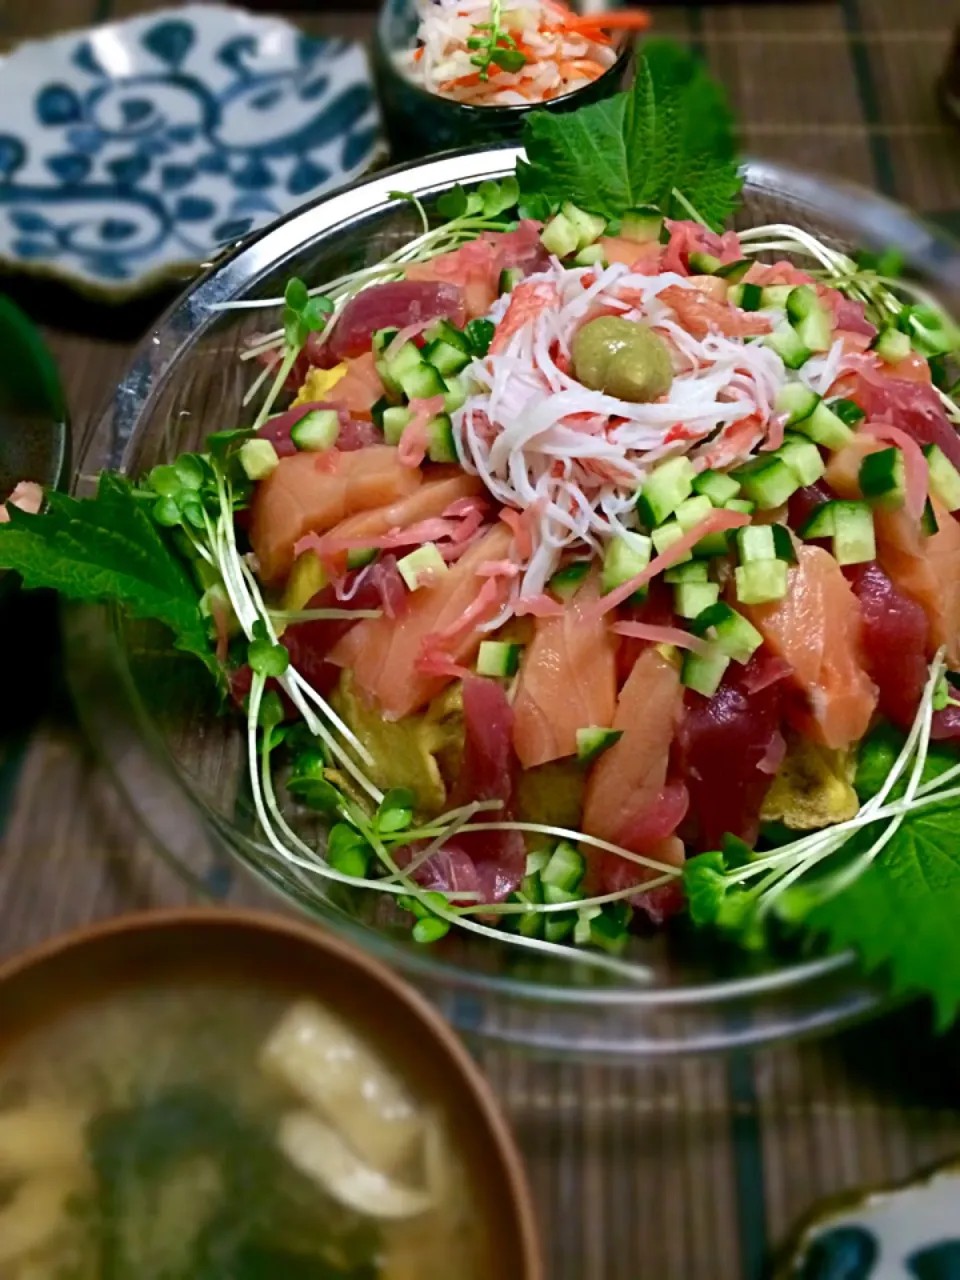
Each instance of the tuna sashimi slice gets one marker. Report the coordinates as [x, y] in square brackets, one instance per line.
[312, 492]
[816, 628]
[723, 741]
[896, 642]
[926, 569]
[383, 653]
[568, 681]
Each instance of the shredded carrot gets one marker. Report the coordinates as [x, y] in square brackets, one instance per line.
[418, 54]
[581, 69]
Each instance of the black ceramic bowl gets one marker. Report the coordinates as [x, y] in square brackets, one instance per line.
[419, 123]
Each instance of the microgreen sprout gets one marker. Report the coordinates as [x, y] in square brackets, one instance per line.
[494, 45]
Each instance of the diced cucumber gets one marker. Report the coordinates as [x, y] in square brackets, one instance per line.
[422, 567]
[377, 411]
[258, 458]
[537, 859]
[585, 918]
[381, 340]
[853, 536]
[761, 581]
[422, 382]
[316, 431]
[360, 557]
[455, 395]
[814, 330]
[786, 342]
[718, 486]
[768, 481]
[691, 571]
[642, 226]
[530, 893]
[593, 255]
[713, 544]
[730, 631]
[802, 457]
[691, 598]
[558, 925]
[774, 296]
[704, 673]
[944, 477]
[735, 271]
[802, 301]
[590, 226]
[510, 277]
[567, 581]
[703, 264]
[748, 297]
[892, 346]
[407, 358]
[881, 478]
[567, 865]
[665, 536]
[928, 521]
[664, 489]
[742, 505]
[826, 428]
[820, 523]
[446, 359]
[608, 930]
[626, 555]
[783, 543]
[394, 420]
[446, 331]
[693, 511]
[796, 401]
[497, 658]
[593, 741]
[848, 411]
[755, 542]
[929, 332]
[560, 236]
[441, 446]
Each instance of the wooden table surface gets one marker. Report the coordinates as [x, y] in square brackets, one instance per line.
[693, 1170]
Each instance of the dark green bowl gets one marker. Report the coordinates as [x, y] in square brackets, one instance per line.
[419, 123]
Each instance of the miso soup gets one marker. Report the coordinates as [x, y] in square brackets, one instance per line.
[214, 1132]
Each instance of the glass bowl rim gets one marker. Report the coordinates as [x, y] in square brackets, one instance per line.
[195, 311]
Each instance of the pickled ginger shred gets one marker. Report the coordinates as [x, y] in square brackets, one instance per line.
[540, 439]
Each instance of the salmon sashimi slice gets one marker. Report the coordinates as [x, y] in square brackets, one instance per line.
[426, 503]
[700, 314]
[927, 569]
[385, 654]
[312, 492]
[568, 681]
[472, 267]
[360, 387]
[628, 784]
[816, 628]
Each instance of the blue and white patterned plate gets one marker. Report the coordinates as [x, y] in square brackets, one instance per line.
[138, 149]
[909, 1232]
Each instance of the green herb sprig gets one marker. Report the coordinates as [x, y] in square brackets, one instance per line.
[495, 46]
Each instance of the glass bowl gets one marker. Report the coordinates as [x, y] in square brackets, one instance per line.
[419, 123]
[180, 766]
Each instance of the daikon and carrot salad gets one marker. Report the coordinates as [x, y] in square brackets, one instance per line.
[586, 563]
[495, 54]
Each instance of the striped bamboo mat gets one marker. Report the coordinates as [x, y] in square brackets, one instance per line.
[689, 1171]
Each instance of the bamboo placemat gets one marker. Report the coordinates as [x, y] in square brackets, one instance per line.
[689, 1171]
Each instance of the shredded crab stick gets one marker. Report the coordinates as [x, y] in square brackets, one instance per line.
[539, 439]
[493, 53]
